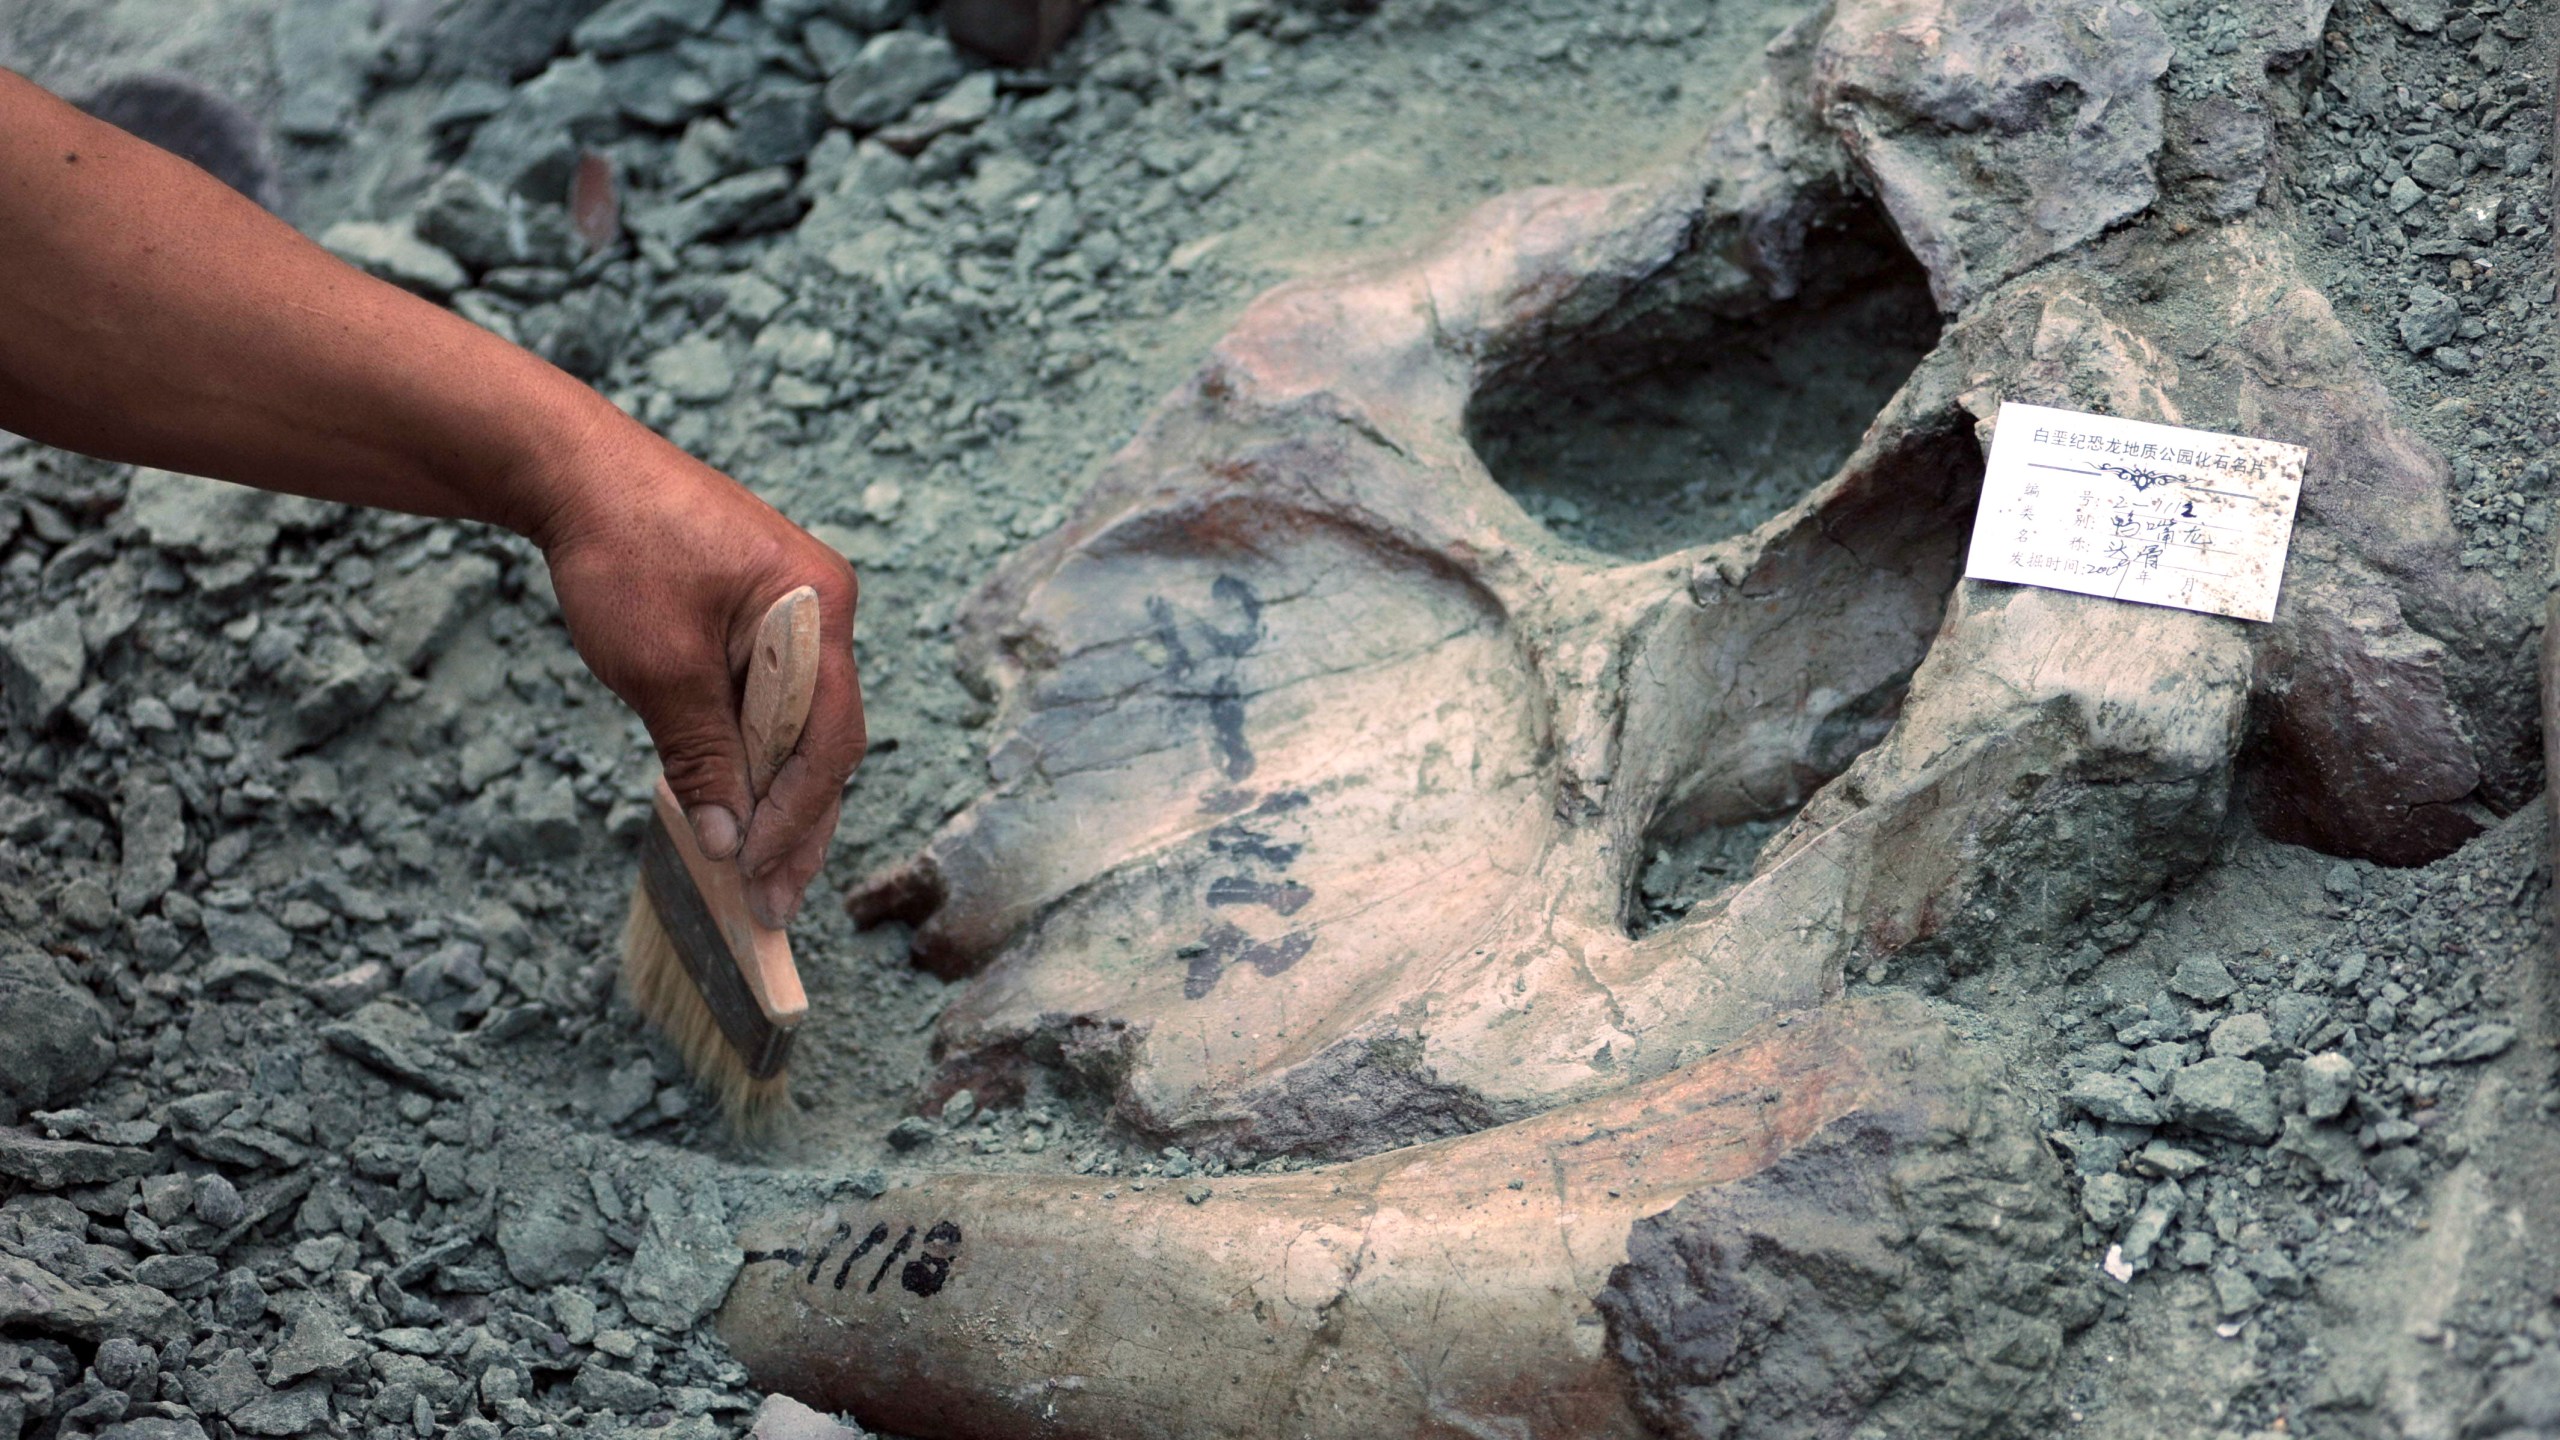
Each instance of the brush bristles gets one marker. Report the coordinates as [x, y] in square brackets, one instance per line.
[653, 974]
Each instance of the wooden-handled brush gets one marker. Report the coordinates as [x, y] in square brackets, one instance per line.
[696, 963]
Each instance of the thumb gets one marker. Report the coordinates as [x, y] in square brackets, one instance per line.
[695, 728]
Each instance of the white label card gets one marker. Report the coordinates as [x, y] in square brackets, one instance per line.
[2136, 511]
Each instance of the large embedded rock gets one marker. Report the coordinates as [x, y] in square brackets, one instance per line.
[1998, 135]
[54, 1044]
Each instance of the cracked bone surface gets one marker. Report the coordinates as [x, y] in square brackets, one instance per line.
[1324, 774]
[1509, 1282]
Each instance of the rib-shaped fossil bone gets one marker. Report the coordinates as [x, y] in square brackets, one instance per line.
[1481, 1286]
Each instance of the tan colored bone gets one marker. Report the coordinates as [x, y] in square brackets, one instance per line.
[1442, 1290]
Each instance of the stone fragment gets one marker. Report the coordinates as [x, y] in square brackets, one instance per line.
[396, 1040]
[2424, 16]
[686, 1259]
[423, 610]
[122, 1363]
[85, 905]
[2151, 1221]
[58, 1164]
[2366, 755]
[720, 207]
[2437, 167]
[2203, 979]
[239, 1301]
[335, 682]
[660, 88]
[530, 146]
[2481, 1042]
[2277, 1273]
[395, 253]
[2108, 1200]
[485, 757]
[546, 1235]
[85, 1125]
[584, 332]
[601, 1387]
[466, 217]
[34, 1298]
[782, 1418]
[151, 831]
[55, 1040]
[484, 229]
[624, 26]
[43, 659]
[776, 126]
[2224, 1097]
[2328, 1083]
[217, 1201]
[154, 1427]
[298, 1410]
[695, 370]
[888, 75]
[2429, 319]
[538, 815]
[626, 1091]
[184, 1276]
[962, 107]
[575, 1314]
[2477, 219]
[200, 519]
[869, 16]
[2162, 1158]
[246, 933]
[2112, 1098]
[320, 47]
[2234, 1293]
[2245, 1036]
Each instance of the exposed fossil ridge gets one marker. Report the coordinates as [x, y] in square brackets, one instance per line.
[1324, 772]
[1312, 742]
[1854, 1180]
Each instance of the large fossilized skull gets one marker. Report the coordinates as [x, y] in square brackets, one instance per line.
[1326, 774]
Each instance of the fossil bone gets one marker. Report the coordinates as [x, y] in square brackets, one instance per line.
[1324, 773]
[1478, 1286]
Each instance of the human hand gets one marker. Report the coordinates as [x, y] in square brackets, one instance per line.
[664, 569]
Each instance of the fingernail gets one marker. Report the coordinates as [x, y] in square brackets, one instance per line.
[715, 830]
[777, 901]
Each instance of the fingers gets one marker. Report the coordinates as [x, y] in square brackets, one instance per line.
[786, 840]
[670, 663]
[695, 729]
[776, 898]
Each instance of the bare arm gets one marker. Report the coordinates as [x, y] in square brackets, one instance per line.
[148, 313]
